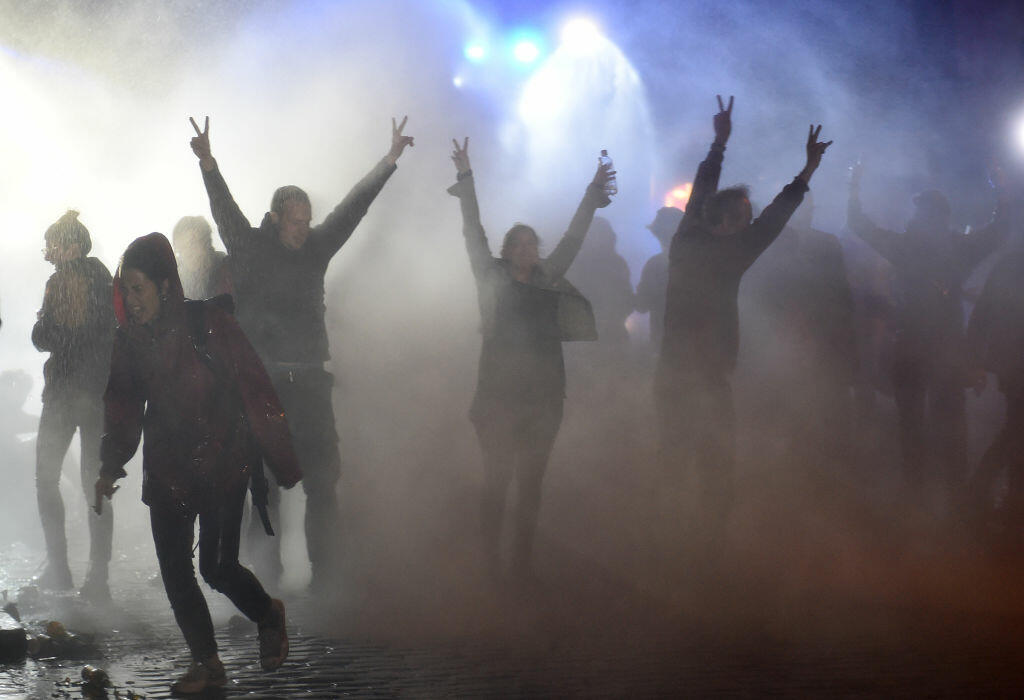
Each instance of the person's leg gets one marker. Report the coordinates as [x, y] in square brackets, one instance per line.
[715, 454]
[89, 413]
[56, 428]
[173, 533]
[494, 431]
[307, 403]
[947, 416]
[537, 435]
[264, 552]
[219, 533]
[908, 387]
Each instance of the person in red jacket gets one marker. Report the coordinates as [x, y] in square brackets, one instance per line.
[184, 374]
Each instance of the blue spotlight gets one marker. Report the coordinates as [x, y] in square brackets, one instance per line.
[475, 52]
[525, 51]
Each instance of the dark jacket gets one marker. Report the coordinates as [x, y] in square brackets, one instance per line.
[995, 334]
[523, 325]
[198, 415]
[76, 326]
[701, 335]
[929, 275]
[280, 291]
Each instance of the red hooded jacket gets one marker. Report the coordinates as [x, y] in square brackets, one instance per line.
[201, 416]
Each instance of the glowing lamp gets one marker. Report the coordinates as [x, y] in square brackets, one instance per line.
[678, 196]
[458, 81]
[1019, 134]
[525, 51]
[580, 33]
[475, 52]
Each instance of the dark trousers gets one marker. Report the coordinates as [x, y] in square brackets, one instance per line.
[1006, 453]
[932, 421]
[697, 426]
[306, 397]
[61, 417]
[219, 528]
[515, 438]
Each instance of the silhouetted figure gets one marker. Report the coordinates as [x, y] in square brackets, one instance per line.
[76, 326]
[930, 264]
[278, 274]
[715, 244]
[799, 294]
[602, 275]
[184, 376]
[203, 269]
[527, 310]
[995, 340]
[650, 290]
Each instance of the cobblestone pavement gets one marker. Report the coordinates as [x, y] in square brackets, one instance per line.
[552, 643]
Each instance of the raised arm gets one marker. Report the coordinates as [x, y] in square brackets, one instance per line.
[594, 198]
[767, 227]
[232, 225]
[479, 250]
[979, 244]
[339, 225]
[705, 182]
[885, 243]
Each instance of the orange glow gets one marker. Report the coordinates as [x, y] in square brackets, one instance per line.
[679, 196]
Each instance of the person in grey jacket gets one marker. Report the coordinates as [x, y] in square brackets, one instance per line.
[527, 310]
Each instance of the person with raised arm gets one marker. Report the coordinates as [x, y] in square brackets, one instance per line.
[930, 264]
[184, 377]
[527, 310]
[716, 242]
[278, 271]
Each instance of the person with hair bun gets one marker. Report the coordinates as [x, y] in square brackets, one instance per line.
[76, 326]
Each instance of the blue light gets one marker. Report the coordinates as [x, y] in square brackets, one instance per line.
[475, 52]
[525, 51]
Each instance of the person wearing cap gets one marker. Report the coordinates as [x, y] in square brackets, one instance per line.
[930, 264]
[650, 290]
[76, 326]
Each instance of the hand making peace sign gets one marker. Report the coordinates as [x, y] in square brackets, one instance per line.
[201, 144]
[398, 141]
[460, 156]
[723, 121]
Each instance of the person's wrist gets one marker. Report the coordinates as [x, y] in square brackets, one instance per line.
[463, 174]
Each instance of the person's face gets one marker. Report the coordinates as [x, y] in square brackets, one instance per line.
[293, 223]
[57, 253]
[523, 250]
[736, 218]
[141, 296]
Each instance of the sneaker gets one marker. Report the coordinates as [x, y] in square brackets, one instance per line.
[200, 676]
[273, 637]
[54, 578]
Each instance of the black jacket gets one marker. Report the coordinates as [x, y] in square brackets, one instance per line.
[524, 324]
[76, 326]
[280, 291]
[995, 334]
[701, 334]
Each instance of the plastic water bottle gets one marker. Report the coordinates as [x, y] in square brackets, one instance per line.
[611, 187]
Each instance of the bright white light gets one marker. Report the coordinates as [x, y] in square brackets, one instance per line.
[580, 33]
[1019, 133]
[525, 51]
[457, 81]
[476, 52]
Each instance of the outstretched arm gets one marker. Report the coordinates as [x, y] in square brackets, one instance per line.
[232, 225]
[339, 225]
[705, 182]
[979, 244]
[885, 243]
[760, 234]
[557, 264]
[472, 229]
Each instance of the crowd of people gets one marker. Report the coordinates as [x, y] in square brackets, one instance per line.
[218, 361]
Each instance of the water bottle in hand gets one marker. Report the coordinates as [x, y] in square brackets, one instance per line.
[611, 186]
